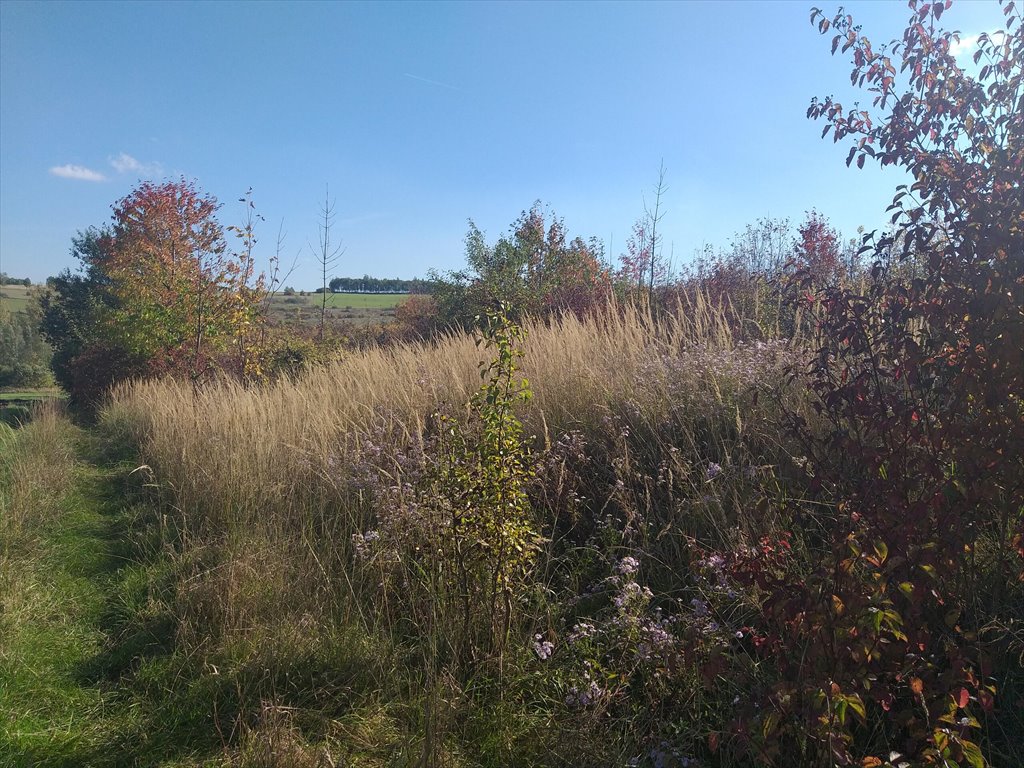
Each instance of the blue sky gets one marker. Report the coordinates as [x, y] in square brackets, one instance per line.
[422, 115]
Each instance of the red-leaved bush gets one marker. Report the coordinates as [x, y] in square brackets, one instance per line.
[895, 648]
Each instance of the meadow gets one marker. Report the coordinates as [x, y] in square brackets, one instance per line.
[305, 515]
[313, 574]
[361, 300]
[15, 298]
[342, 308]
[42, 393]
[769, 512]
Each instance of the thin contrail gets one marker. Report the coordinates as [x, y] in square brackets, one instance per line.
[432, 82]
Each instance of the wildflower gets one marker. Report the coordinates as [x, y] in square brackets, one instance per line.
[655, 639]
[543, 648]
[714, 470]
[586, 697]
[715, 562]
[630, 591]
[628, 565]
[362, 544]
[581, 631]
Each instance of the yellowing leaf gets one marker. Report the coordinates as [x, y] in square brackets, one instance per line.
[882, 551]
[972, 754]
[857, 706]
[837, 605]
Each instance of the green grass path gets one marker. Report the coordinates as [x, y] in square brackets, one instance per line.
[50, 710]
[79, 620]
[89, 671]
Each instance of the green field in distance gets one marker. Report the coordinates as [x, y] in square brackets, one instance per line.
[15, 298]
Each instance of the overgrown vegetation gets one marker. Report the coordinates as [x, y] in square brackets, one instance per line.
[394, 520]
[766, 512]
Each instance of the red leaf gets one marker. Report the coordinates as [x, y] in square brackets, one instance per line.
[962, 698]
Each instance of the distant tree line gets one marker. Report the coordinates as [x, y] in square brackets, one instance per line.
[6, 279]
[367, 284]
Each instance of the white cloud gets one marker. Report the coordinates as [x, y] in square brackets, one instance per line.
[969, 43]
[77, 172]
[125, 163]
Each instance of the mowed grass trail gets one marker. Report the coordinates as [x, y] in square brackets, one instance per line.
[79, 616]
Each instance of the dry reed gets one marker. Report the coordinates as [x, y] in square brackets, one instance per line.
[262, 474]
[242, 455]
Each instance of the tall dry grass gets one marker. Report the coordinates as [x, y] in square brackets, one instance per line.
[36, 468]
[678, 422]
[277, 459]
[240, 455]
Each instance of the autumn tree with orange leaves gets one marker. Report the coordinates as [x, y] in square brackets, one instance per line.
[183, 298]
[162, 294]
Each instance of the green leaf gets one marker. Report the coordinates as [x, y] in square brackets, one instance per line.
[857, 706]
[841, 706]
[882, 551]
[972, 754]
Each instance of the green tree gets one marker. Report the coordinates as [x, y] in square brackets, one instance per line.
[72, 308]
[160, 292]
[24, 353]
[534, 268]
